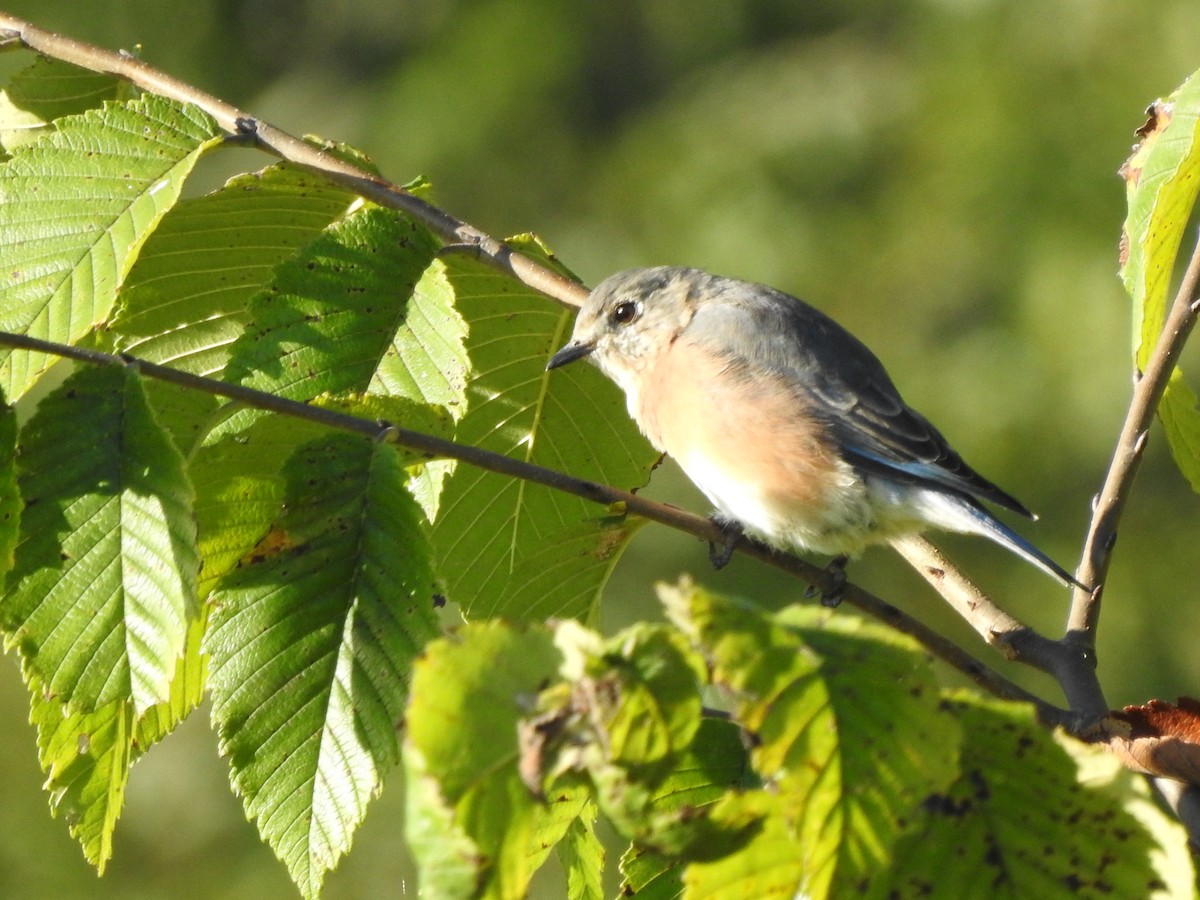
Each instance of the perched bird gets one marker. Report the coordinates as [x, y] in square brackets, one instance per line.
[786, 421]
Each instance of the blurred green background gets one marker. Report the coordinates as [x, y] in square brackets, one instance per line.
[940, 175]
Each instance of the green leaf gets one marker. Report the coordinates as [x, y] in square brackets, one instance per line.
[185, 694]
[46, 90]
[770, 866]
[650, 875]
[75, 207]
[474, 827]
[311, 645]
[427, 360]
[104, 577]
[715, 765]
[10, 496]
[1162, 180]
[332, 312]
[1170, 854]
[1017, 823]
[582, 857]
[896, 743]
[187, 298]
[240, 483]
[508, 547]
[852, 740]
[86, 758]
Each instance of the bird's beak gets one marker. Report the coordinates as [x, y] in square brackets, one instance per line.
[569, 353]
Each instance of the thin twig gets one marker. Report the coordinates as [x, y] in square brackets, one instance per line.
[286, 146]
[1127, 457]
[664, 514]
[1009, 635]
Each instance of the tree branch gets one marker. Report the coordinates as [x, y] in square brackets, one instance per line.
[288, 147]
[1011, 637]
[1127, 457]
[629, 503]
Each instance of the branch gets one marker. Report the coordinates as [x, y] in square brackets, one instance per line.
[1127, 457]
[273, 140]
[1011, 637]
[672, 517]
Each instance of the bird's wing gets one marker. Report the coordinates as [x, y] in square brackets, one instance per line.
[842, 379]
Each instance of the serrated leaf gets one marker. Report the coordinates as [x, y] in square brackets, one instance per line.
[427, 360]
[75, 207]
[240, 483]
[1179, 412]
[469, 691]
[332, 312]
[650, 875]
[46, 90]
[1162, 180]
[895, 742]
[187, 298]
[508, 547]
[716, 764]
[851, 740]
[1170, 855]
[769, 867]
[582, 857]
[186, 692]
[1017, 823]
[311, 645]
[86, 758]
[104, 577]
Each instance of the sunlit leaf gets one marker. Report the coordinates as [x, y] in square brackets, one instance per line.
[75, 207]
[104, 580]
[582, 857]
[47, 90]
[508, 547]
[1163, 178]
[1017, 823]
[86, 758]
[474, 827]
[187, 297]
[846, 724]
[312, 641]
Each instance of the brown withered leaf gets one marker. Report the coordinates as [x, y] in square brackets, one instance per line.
[1157, 738]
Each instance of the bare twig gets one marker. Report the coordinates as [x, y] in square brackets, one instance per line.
[664, 514]
[1012, 637]
[1127, 457]
[286, 146]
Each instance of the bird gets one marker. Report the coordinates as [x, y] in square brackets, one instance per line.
[787, 423]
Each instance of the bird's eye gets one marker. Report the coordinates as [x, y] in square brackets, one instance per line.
[624, 313]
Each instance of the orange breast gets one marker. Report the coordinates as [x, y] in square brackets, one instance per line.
[747, 441]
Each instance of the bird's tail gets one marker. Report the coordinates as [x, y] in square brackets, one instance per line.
[965, 514]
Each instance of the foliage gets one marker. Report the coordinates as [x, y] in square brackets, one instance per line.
[160, 546]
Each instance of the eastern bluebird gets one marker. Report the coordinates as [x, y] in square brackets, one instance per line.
[785, 420]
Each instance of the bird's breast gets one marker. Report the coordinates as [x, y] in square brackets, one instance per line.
[749, 441]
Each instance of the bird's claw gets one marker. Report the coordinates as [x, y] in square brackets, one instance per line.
[719, 555]
[832, 594]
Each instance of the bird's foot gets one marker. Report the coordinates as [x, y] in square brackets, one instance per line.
[731, 529]
[831, 595]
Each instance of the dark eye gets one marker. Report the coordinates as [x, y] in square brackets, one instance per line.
[626, 312]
